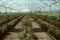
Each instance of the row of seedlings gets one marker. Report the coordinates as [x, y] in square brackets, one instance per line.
[7, 18]
[51, 29]
[6, 27]
[51, 19]
[26, 31]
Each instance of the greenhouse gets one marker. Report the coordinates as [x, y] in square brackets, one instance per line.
[29, 19]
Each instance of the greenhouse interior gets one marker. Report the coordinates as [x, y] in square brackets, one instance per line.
[29, 19]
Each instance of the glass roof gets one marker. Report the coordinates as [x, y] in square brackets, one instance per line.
[29, 5]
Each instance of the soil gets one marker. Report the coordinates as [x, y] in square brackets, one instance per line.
[13, 34]
[39, 33]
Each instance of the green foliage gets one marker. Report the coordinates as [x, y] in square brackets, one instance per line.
[5, 27]
[53, 30]
[26, 33]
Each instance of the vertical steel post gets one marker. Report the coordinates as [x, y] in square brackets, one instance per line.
[10, 10]
[5, 9]
[0, 9]
[49, 8]
[44, 9]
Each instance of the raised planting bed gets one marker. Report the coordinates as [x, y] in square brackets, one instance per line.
[51, 19]
[49, 28]
[5, 19]
[6, 27]
[26, 31]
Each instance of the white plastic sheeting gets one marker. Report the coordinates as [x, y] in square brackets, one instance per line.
[33, 5]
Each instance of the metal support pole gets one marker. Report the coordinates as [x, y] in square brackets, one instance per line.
[49, 8]
[41, 10]
[0, 9]
[5, 9]
[44, 9]
[10, 10]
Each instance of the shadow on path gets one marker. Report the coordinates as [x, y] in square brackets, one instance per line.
[14, 30]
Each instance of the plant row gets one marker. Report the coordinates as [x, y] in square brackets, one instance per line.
[26, 31]
[6, 27]
[50, 19]
[7, 18]
[53, 30]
